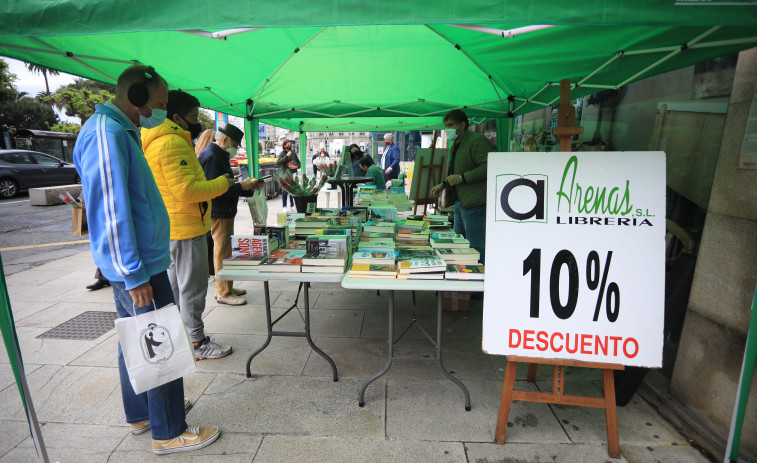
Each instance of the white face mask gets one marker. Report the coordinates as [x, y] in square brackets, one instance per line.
[451, 133]
[157, 118]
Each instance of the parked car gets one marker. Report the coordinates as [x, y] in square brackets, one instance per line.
[21, 170]
[241, 156]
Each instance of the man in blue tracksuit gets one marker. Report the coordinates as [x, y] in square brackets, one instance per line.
[129, 238]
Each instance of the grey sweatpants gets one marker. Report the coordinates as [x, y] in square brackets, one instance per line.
[188, 275]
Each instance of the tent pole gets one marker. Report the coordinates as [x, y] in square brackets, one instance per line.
[303, 146]
[252, 138]
[742, 393]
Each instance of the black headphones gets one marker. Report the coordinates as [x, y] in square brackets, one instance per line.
[138, 93]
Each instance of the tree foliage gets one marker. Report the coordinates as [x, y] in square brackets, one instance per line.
[66, 127]
[37, 69]
[206, 121]
[7, 89]
[26, 113]
[79, 102]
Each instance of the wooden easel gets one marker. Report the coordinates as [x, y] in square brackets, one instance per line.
[435, 176]
[566, 128]
[558, 396]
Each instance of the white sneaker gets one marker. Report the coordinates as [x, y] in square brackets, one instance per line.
[209, 349]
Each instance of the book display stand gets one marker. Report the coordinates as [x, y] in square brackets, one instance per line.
[565, 129]
[558, 395]
[426, 176]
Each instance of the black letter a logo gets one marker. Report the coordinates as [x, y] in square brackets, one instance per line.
[538, 209]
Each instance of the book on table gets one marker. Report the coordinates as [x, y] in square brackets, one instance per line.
[458, 255]
[421, 276]
[409, 253]
[252, 245]
[281, 233]
[281, 264]
[325, 259]
[388, 270]
[380, 226]
[464, 272]
[287, 254]
[328, 244]
[421, 265]
[295, 245]
[375, 245]
[373, 257]
[313, 222]
[242, 262]
[449, 243]
[411, 243]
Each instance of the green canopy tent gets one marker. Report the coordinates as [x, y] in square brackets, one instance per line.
[344, 59]
[390, 64]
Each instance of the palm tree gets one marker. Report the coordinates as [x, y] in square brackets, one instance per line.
[36, 69]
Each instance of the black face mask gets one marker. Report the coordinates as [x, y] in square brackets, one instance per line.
[194, 129]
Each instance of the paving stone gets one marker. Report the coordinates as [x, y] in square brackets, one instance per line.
[434, 410]
[71, 443]
[512, 452]
[306, 449]
[292, 405]
[11, 407]
[287, 298]
[637, 421]
[682, 453]
[23, 309]
[62, 312]
[283, 356]
[51, 351]
[104, 354]
[229, 448]
[33, 277]
[7, 378]
[362, 358]
[14, 432]
[455, 325]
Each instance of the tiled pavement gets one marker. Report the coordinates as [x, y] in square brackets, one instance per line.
[291, 410]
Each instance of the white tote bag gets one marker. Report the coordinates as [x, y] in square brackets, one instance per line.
[258, 207]
[156, 347]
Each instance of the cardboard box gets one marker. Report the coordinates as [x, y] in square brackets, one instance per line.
[79, 221]
[455, 301]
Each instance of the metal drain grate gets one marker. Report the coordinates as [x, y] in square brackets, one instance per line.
[87, 326]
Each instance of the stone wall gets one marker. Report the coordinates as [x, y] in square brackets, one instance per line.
[712, 344]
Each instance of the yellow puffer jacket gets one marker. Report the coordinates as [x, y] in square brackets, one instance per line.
[180, 179]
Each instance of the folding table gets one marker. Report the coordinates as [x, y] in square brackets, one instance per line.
[393, 285]
[304, 279]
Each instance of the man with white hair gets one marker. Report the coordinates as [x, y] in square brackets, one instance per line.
[390, 161]
[215, 162]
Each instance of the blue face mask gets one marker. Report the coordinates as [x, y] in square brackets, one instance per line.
[157, 118]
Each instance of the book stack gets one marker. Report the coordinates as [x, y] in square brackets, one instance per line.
[464, 272]
[282, 262]
[448, 240]
[326, 254]
[306, 226]
[252, 245]
[380, 226]
[421, 268]
[374, 257]
[278, 232]
[458, 255]
[386, 271]
[437, 222]
[240, 262]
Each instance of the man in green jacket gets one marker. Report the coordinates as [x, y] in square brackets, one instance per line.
[466, 179]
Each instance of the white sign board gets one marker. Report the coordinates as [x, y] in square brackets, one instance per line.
[575, 255]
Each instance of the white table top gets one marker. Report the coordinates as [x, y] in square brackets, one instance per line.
[412, 285]
[255, 275]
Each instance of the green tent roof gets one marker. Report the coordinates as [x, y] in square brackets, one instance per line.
[391, 60]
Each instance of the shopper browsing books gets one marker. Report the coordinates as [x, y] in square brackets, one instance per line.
[466, 180]
[288, 163]
[133, 253]
[372, 170]
[215, 161]
[187, 194]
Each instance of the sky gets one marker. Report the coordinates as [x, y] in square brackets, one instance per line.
[35, 83]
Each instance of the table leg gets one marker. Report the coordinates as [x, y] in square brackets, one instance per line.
[268, 324]
[439, 353]
[361, 401]
[307, 332]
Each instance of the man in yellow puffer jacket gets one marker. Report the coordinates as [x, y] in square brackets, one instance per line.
[187, 194]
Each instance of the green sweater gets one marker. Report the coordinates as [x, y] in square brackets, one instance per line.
[378, 177]
[470, 161]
